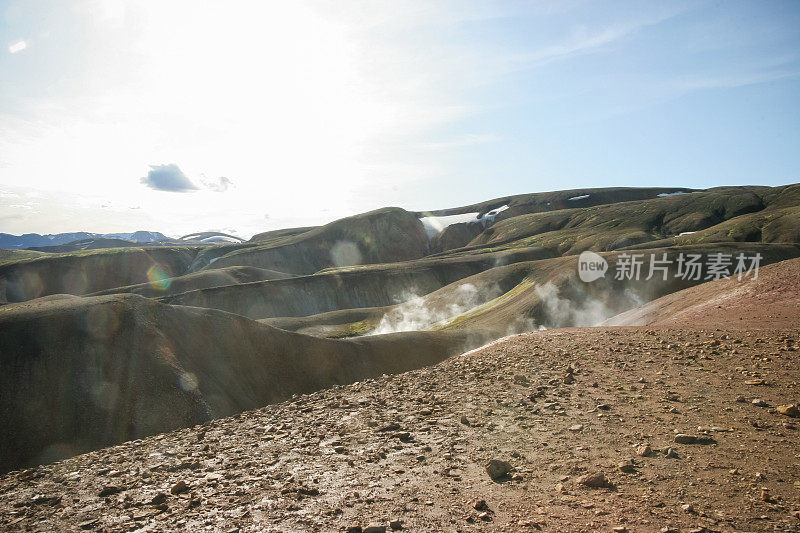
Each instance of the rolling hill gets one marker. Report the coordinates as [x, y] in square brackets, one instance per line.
[107, 345]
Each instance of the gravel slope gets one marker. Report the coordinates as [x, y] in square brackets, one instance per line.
[413, 447]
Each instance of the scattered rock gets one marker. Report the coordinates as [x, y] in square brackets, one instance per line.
[521, 380]
[687, 508]
[644, 450]
[789, 409]
[374, 528]
[595, 480]
[576, 427]
[158, 499]
[179, 487]
[404, 436]
[109, 490]
[671, 453]
[758, 402]
[396, 525]
[626, 467]
[498, 469]
[41, 499]
[480, 505]
[685, 438]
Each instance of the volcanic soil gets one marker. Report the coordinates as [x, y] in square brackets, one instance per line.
[411, 450]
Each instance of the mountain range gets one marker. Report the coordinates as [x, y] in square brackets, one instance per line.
[30, 240]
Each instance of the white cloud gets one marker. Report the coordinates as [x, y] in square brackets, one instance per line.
[168, 178]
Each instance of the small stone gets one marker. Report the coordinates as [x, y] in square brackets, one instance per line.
[354, 529]
[765, 496]
[576, 427]
[620, 529]
[108, 490]
[569, 379]
[179, 487]
[480, 505]
[485, 516]
[498, 469]
[595, 480]
[517, 477]
[41, 499]
[685, 438]
[604, 407]
[758, 402]
[626, 467]
[465, 420]
[404, 436]
[687, 508]
[671, 453]
[396, 525]
[374, 528]
[644, 450]
[667, 529]
[789, 409]
[158, 499]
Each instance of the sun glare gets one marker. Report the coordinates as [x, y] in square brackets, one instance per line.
[18, 46]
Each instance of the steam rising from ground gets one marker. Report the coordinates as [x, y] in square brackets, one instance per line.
[418, 313]
[567, 306]
[587, 311]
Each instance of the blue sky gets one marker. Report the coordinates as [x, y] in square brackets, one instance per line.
[247, 116]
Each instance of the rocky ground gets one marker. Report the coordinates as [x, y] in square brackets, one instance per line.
[609, 429]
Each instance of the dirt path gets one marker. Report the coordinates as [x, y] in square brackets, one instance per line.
[410, 450]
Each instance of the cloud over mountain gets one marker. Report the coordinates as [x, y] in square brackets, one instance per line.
[168, 178]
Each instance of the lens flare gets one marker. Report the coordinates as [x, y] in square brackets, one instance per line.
[345, 253]
[188, 382]
[159, 277]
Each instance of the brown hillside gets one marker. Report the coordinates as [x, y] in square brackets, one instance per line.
[82, 373]
[771, 301]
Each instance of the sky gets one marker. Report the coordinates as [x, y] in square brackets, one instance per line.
[184, 116]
